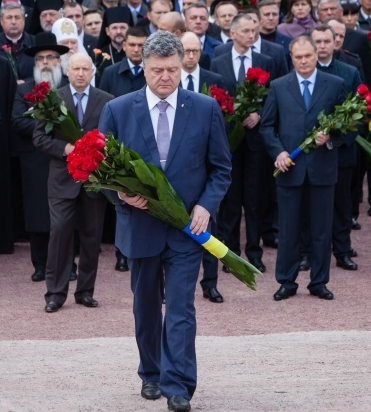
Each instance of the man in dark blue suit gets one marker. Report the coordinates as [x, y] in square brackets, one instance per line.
[290, 111]
[251, 164]
[196, 162]
[197, 20]
[127, 75]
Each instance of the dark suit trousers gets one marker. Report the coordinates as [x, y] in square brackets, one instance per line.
[63, 217]
[166, 349]
[342, 224]
[39, 249]
[290, 213]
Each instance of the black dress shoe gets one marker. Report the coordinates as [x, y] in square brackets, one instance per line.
[284, 293]
[273, 243]
[87, 301]
[178, 404]
[258, 264]
[225, 269]
[346, 263]
[304, 264]
[121, 263]
[322, 293]
[38, 276]
[151, 390]
[353, 253]
[213, 295]
[355, 224]
[52, 307]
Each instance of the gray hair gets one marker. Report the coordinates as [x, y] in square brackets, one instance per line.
[329, 1]
[162, 44]
[12, 6]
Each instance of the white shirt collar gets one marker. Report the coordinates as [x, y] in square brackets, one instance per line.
[312, 78]
[258, 45]
[195, 74]
[73, 90]
[235, 54]
[224, 37]
[152, 99]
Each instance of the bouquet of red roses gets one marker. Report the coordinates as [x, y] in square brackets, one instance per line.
[48, 107]
[249, 99]
[8, 52]
[347, 116]
[106, 164]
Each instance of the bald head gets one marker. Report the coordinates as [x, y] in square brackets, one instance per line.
[172, 22]
[192, 51]
[80, 71]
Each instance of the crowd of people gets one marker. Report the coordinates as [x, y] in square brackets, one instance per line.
[137, 69]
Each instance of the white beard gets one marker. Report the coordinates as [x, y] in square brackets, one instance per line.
[53, 76]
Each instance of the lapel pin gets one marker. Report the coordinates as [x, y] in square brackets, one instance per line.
[182, 105]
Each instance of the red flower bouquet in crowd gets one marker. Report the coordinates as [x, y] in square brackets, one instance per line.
[8, 52]
[249, 99]
[245, 4]
[346, 117]
[106, 164]
[48, 107]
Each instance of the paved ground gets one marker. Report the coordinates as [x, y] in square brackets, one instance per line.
[254, 354]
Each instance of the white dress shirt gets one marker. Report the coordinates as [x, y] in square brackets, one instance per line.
[237, 61]
[154, 111]
[195, 77]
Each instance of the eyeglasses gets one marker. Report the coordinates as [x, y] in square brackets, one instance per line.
[49, 58]
[195, 51]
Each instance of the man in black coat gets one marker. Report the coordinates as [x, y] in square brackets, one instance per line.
[324, 38]
[127, 76]
[17, 40]
[250, 161]
[7, 89]
[34, 163]
[193, 78]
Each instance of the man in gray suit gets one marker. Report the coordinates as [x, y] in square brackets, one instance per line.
[290, 111]
[69, 203]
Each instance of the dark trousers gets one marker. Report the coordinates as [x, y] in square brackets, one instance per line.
[39, 249]
[61, 245]
[210, 265]
[166, 348]
[342, 223]
[290, 213]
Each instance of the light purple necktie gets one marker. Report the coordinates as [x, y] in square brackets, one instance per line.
[163, 132]
[79, 109]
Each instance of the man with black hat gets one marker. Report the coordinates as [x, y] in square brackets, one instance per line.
[35, 164]
[116, 21]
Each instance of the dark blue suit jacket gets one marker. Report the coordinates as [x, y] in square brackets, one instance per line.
[198, 165]
[118, 79]
[209, 45]
[285, 123]
[275, 51]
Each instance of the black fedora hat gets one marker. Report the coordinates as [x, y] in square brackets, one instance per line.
[46, 41]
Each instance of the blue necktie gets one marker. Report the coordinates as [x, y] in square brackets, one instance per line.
[241, 71]
[163, 132]
[79, 109]
[136, 70]
[306, 93]
[191, 86]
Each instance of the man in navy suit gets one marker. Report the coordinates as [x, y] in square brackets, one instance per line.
[290, 111]
[197, 20]
[251, 164]
[187, 140]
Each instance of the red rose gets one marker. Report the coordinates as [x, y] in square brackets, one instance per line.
[263, 78]
[368, 98]
[89, 164]
[362, 90]
[80, 176]
[369, 108]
